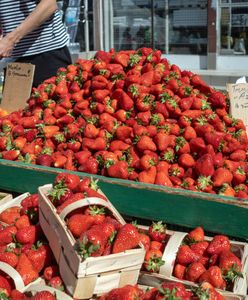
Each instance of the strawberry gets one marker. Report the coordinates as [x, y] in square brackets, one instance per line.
[186, 160]
[69, 180]
[218, 244]
[17, 295]
[40, 256]
[197, 234]
[56, 283]
[163, 179]
[127, 238]
[186, 256]
[5, 287]
[50, 272]
[27, 235]
[173, 290]
[145, 241]
[127, 292]
[10, 215]
[119, 170]
[44, 295]
[153, 260]
[207, 291]
[79, 223]
[91, 242]
[214, 276]
[230, 265]
[6, 235]
[9, 257]
[148, 176]
[221, 176]
[157, 231]
[199, 247]
[204, 165]
[179, 271]
[26, 269]
[194, 271]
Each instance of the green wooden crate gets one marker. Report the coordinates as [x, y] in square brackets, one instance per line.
[215, 213]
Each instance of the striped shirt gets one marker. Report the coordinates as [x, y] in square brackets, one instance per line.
[49, 36]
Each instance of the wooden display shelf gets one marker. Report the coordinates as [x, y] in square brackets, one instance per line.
[217, 214]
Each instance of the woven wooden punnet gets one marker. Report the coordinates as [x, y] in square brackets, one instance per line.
[94, 275]
[155, 280]
[170, 252]
[34, 287]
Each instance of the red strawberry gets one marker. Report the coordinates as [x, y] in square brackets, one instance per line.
[153, 260]
[197, 234]
[70, 180]
[179, 271]
[200, 247]
[157, 231]
[221, 176]
[79, 223]
[204, 165]
[50, 272]
[6, 235]
[44, 295]
[5, 287]
[128, 292]
[194, 271]
[26, 269]
[127, 238]
[40, 256]
[27, 235]
[230, 265]
[9, 257]
[214, 276]
[218, 244]
[148, 176]
[186, 256]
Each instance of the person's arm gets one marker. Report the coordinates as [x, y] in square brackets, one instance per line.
[39, 15]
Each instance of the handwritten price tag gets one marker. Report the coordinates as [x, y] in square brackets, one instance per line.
[17, 86]
[238, 94]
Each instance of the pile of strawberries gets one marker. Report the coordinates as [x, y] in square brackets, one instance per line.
[24, 247]
[97, 232]
[212, 261]
[132, 115]
[167, 290]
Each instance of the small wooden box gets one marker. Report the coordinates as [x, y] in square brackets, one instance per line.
[94, 275]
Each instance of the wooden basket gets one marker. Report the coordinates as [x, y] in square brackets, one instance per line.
[155, 280]
[170, 252]
[36, 286]
[94, 275]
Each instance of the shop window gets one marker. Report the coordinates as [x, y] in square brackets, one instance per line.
[176, 26]
[233, 27]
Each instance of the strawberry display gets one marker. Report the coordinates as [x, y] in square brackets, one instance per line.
[124, 113]
[212, 261]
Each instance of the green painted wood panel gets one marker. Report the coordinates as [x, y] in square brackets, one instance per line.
[174, 206]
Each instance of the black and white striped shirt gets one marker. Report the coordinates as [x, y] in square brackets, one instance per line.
[49, 36]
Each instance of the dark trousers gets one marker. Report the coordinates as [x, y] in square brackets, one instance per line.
[47, 63]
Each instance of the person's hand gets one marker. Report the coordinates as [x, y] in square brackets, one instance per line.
[6, 46]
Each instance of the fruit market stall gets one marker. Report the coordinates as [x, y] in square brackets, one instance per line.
[158, 138]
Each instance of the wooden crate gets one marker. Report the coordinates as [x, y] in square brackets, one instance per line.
[94, 275]
[152, 202]
[170, 252]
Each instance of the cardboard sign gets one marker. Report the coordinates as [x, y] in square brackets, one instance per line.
[238, 94]
[17, 86]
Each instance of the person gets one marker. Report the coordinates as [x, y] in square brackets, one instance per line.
[33, 32]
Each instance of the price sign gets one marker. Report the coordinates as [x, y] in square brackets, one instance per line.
[17, 86]
[238, 94]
